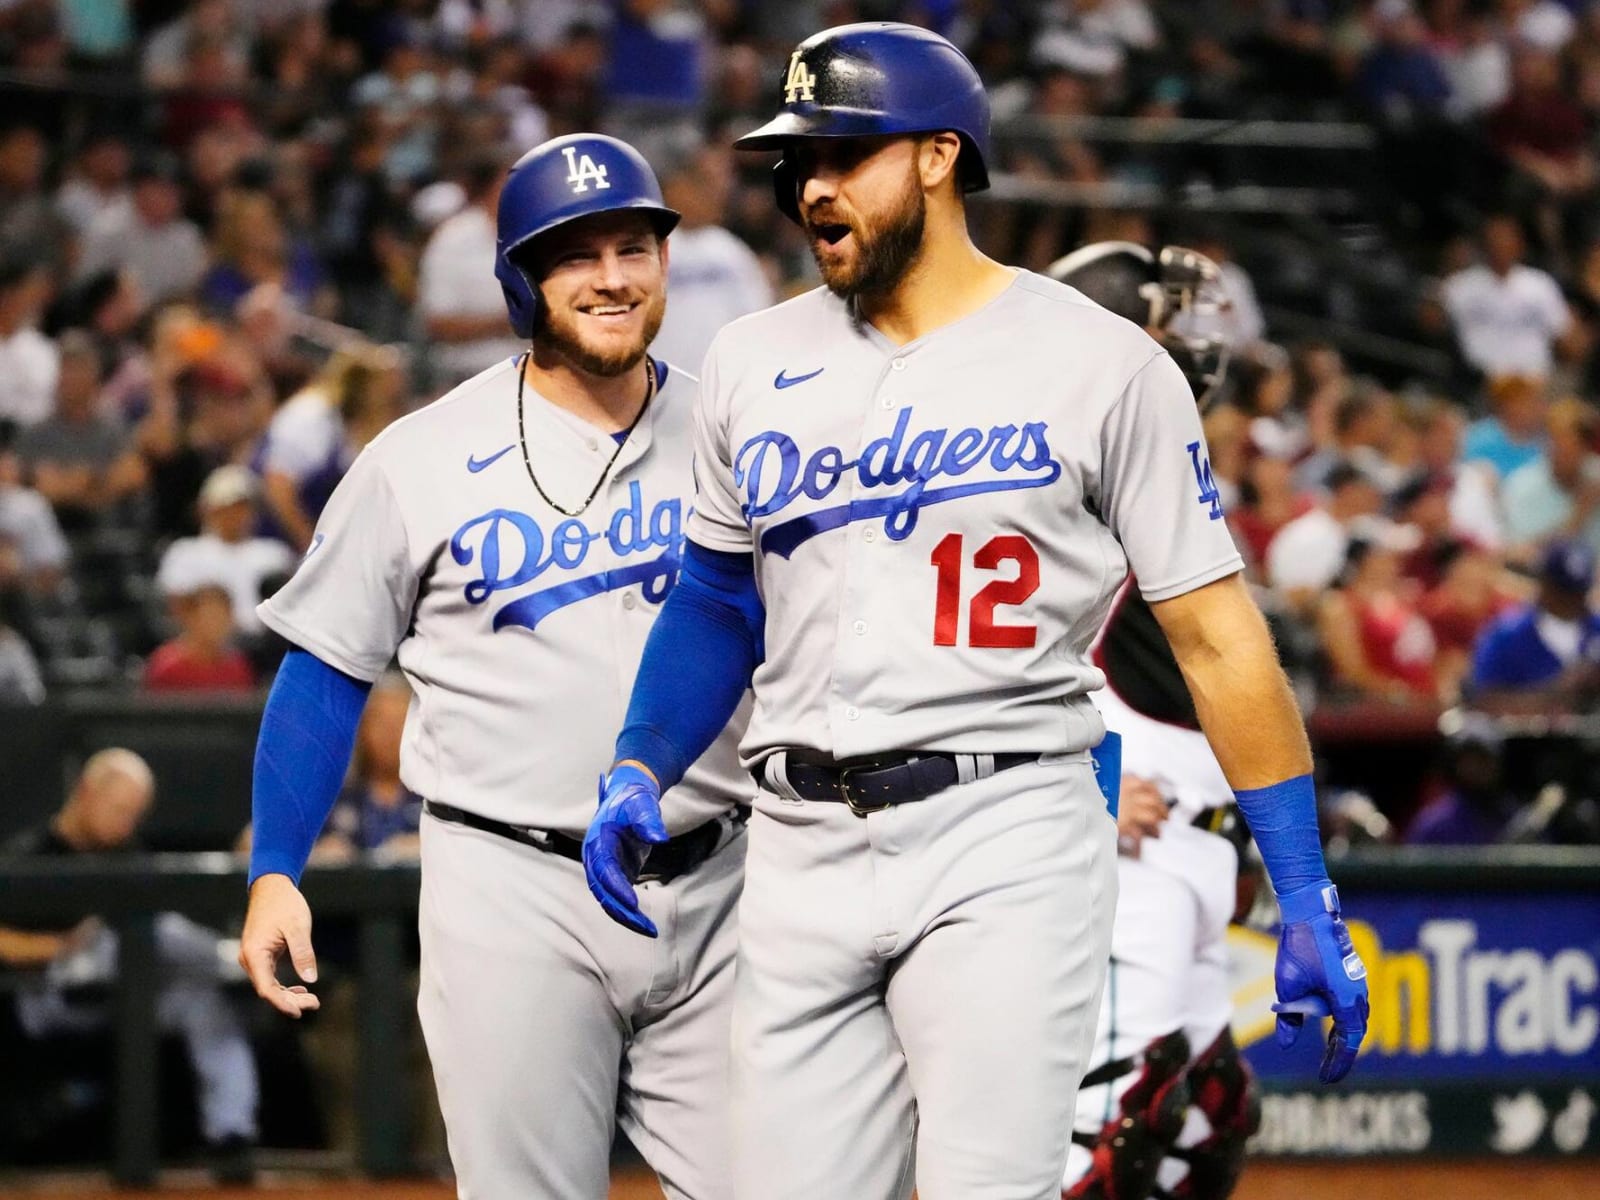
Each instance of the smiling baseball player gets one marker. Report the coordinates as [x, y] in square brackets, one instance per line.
[513, 542]
[919, 488]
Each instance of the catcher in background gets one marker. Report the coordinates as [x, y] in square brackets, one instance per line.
[1165, 1082]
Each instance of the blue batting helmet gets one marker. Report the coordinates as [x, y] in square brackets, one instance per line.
[875, 78]
[559, 181]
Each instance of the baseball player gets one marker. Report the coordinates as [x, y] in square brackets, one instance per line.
[513, 543]
[918, 489]
[1163, 1049]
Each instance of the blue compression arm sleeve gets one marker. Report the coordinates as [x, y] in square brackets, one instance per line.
[697, 664]
[1283, 819]
[307, 733]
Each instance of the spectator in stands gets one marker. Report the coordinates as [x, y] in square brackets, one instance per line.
[162, 248]
[1401, 81]
[80, 460]
[227, 550]
[1377, 641]
[204, 656]
[21, 682]
[33, 552]
[73, 967]
[28, 360]
[405, 92]
[1474, 509]
[712, 276]
[376, 813]
[1267, 502]
[1363, 430]
[1512, 436]
[1476, 805]
[659, 55]
[1543, 133]
[317, 434]
[1545, 656]
[96, 187]
[166, 51]
[1474, 57]
[1546, 24]
[1309, 552]
[1470, 594]
[251, 249]
[1422, 503]
[1558, 493]
[29, 221]
[458, 296]
[1509, 317]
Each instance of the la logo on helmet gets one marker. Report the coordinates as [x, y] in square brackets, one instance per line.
[800, 82]
[581, 172]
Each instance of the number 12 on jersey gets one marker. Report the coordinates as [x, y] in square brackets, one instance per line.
[983, 631]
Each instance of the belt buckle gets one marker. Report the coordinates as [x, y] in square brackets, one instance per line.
[860, 809]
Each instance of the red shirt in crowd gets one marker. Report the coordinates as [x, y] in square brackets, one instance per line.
[174, 667]
[1397, 641]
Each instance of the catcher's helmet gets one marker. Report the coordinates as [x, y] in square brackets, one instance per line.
[1161, 292]
[875, 78]
[559, 181]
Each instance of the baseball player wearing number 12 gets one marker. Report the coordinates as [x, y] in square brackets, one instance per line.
[918, 489]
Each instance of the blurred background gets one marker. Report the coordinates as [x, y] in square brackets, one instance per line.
[239, 237]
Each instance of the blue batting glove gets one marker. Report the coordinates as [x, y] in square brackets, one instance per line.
[622, 832]
[1319, 974]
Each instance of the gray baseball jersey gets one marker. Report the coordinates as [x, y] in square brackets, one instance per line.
[519, 628]
[939, 528]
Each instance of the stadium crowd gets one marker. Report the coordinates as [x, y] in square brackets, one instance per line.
[237, 239]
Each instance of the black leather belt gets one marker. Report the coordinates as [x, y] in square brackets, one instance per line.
[869, 785]
[662, 864]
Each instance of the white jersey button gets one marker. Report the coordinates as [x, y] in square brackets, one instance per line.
[869, 534]
[887, 402]
[852, 713]
[899, 364]
[860, 627]
[628, 601]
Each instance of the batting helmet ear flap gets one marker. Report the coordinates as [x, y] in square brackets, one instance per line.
[522, 296]
[786, 186]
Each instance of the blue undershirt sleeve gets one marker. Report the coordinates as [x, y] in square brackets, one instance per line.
[307, 733]
[697, 664]
[1283, 820]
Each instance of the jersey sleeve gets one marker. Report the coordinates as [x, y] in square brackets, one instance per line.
[717, 522]
[349, 601]
[1157, 493]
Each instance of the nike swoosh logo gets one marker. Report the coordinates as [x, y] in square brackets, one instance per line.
[477, 464]
[788, 381]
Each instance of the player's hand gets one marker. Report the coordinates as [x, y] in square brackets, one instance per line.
[622, 832]
[1140, 811]
[1320, 975]
[278, 919]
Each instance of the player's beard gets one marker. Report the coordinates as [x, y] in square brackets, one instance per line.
[558, 334]
[885, 250]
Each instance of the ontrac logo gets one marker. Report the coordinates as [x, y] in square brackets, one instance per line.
[1449, 997]
[773, 472]
[503, 537]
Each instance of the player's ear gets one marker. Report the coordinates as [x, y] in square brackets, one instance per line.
[936, 158]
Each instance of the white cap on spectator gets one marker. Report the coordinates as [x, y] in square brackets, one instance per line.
[437, 202]
[192, 565]
[1386, 534]
[227, 485]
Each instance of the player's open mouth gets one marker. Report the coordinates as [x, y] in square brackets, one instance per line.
[830, 233]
